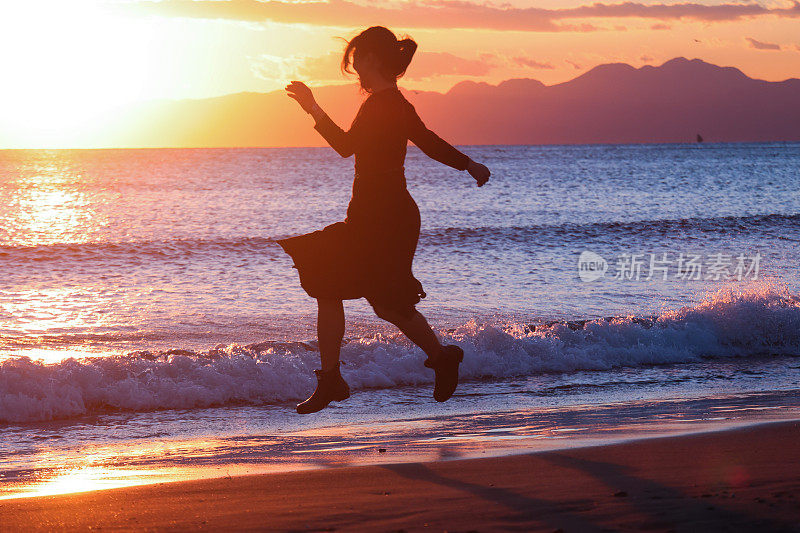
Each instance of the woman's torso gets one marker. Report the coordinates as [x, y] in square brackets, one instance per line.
[380, 140]
[380, 135]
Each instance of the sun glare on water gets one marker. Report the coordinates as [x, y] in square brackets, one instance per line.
[81, 480]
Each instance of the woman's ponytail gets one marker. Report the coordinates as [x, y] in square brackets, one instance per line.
[394, 56]
[406, 49]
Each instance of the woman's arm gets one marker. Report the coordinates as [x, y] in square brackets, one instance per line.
[431, 144]
[437, 148]
[340, 140]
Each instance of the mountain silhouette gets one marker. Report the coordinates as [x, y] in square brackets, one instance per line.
[612, 103]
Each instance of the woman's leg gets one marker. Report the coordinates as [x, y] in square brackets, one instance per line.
[330, 332]
[330, 385]
[443, 360]
[416, 328]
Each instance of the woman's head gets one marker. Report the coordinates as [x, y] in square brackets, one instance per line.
[376, 52]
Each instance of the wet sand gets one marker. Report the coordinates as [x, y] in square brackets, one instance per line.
[737, 480]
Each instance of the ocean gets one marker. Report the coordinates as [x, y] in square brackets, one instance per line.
[151, 329]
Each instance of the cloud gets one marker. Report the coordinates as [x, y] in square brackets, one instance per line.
[276, 68]
[451, 13]
[428, 65]
[758, 45]
[573, 64]
[585, 27]
[660, 26]
[326, 68]
[430, 14]
[646, 58]
[687, 10]
[532, 63]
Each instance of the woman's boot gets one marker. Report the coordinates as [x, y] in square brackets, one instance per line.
[331, 387]
[446, 368]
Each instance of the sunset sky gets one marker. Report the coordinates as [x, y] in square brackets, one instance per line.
[67, 63]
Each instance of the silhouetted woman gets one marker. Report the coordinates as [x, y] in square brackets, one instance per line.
[369, 255]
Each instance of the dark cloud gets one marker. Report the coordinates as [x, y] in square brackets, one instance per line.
[532, 63]
[687, 10]
[758, 45]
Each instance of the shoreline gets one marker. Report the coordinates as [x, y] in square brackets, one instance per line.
[414, 446]
[742, 478]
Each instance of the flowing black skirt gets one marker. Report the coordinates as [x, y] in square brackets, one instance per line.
[368, 255]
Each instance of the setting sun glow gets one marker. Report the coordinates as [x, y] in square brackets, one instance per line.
[70, 68]
[76, 71]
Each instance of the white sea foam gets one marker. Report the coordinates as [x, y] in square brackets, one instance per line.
[756, 322]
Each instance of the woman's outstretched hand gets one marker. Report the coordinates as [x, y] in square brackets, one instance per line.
[479, 172]
[300, 92]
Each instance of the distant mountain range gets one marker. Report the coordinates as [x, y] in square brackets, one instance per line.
[613, 103]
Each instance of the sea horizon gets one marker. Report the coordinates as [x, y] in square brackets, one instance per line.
[689, 142]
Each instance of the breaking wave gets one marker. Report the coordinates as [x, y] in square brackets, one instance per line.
[750, 323]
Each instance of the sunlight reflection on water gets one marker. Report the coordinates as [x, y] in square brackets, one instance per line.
[49, 202]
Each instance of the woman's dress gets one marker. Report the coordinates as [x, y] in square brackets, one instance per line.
[370, 254]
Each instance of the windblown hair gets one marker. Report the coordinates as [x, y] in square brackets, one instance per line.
[394, 55]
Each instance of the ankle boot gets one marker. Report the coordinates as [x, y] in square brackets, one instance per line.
[331, 387]
[446, 368]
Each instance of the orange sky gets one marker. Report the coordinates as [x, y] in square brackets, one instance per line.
[66, 64]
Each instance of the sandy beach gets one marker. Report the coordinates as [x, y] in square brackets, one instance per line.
[745, 479]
